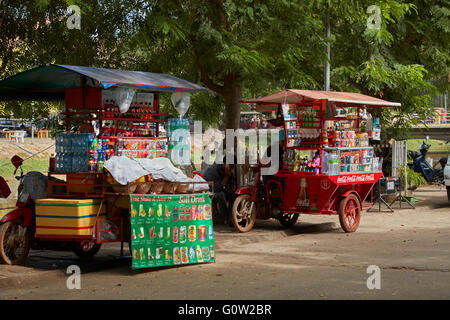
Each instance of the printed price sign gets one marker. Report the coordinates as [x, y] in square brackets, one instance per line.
[171, 230]
[390, 187]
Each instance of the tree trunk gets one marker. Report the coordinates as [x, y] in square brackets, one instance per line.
[232, 98]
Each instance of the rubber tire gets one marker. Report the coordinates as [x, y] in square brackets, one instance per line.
[288, 223]
[3, 257]
[252, 220]
[76, 248]
[448, 194]
[342, 206]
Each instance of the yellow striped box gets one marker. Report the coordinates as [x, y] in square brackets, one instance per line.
[66, 217]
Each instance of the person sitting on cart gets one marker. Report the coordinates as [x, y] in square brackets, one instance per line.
[267, 162]
[224, 186]
[268, 157]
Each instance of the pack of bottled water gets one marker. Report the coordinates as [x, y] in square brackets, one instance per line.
[72, 152]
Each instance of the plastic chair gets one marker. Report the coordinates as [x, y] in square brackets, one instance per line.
[19, 135]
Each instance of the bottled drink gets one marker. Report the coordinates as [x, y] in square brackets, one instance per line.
[57, 162]
[58, 143]
[61, 162]
[302, 198]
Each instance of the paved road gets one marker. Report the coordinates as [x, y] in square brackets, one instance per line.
[313, 260]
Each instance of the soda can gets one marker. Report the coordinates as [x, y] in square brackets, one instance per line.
[192, 233]
[207, 212]
[337, 142]
[175, 234]
[176, 255]
[200, 212]
[175, 214]
[193, 213]
[181, 213]
[182, 234]
[202, 233]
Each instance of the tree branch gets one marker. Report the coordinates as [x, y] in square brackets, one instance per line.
[203, 72]
[221, 11]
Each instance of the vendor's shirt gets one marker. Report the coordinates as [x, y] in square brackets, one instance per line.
[215, 173]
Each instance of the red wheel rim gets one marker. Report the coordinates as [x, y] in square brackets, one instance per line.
[351, 213]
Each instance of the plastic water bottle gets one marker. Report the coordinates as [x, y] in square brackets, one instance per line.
[57, 157]
[67, 143]
[74, 139]
[58, 143]
[67, 162]
[335, 164]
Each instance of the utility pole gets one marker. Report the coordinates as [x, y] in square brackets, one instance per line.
[32, 123]
[327, 63]
[447, 120]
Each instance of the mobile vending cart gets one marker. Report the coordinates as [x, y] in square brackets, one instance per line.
[328, 166]
[84, 204]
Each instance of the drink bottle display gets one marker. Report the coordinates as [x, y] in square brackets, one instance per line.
[175, 240]
[302, 198]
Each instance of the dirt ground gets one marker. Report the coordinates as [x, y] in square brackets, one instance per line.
[8, 148]
[314, 259]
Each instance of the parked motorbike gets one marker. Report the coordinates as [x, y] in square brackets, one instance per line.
[262, 200]
[433, 174]
[17, 228]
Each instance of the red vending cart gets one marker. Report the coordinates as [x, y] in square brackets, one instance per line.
[328, 165]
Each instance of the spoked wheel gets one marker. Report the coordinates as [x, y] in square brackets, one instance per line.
[287, 220]
[243, 216]
[349, 213]
[15, 242]
[86, 249]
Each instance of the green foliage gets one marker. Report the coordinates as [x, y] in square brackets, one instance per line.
[32, 164]
[229, 44]
[393, 62]
[244, 48]
[413, 178]
[34, 33]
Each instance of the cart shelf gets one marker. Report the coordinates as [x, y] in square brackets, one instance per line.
[347, 148]
[137, 138]
[77, 184]
[137, 120]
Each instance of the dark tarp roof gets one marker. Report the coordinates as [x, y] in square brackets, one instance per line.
[54, 77]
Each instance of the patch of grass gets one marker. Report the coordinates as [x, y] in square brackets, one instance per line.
[33, 164]
[436, 145]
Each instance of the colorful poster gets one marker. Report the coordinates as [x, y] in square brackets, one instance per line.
[171, 230]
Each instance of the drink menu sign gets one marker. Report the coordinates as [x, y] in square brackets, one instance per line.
[171, 230]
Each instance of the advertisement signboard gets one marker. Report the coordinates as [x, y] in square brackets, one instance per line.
[171, 230]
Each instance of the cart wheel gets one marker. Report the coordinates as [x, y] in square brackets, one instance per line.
[243, 219]
[15, 242]
[448, 193]
[287, 220]
[349, 213]
[86, 249]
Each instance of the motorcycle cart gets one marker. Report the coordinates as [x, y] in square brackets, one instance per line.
[82, 206]
[328, 165]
